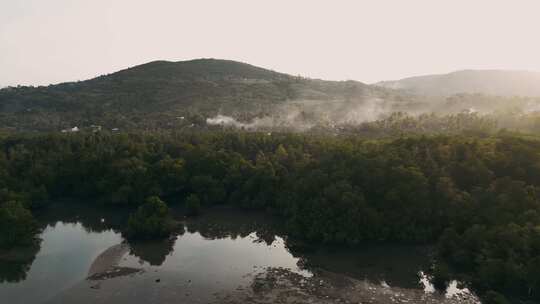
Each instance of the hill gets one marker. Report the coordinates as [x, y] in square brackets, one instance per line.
[158, 94]
[202, 92]
[489, 82]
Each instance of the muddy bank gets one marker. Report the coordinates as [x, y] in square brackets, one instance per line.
[108, 259]
[273, 285]
[277, 285]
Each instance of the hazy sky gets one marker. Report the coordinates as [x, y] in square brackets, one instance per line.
[50, 41]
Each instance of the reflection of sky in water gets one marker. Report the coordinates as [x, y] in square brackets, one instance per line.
[206, 265]
[68, 250]
[226, 261]
[66, 253]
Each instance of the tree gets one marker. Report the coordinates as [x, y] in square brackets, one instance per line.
[208, 189]
[441, 276]
[17, 225]
[533, 276]
[151, 220]
[193, 205]
[492, 297]
[171, 175]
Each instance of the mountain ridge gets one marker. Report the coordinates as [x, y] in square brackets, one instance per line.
[166, 94]
[168, 89]
[469, 81]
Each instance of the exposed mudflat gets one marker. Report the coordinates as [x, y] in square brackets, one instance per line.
[278, 285]
[107, 260]
[271, 285]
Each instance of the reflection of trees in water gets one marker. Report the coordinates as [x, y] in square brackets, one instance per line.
[15, 264]
[394, 264]
[235, 226]
[397, 265]
[154, 252]
[94, 219]
[265, 236]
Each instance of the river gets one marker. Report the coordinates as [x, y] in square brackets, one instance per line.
[224, 256]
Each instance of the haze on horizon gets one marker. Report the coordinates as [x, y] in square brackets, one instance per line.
[44, 42]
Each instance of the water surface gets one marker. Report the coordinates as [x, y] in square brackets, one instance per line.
[83, 258]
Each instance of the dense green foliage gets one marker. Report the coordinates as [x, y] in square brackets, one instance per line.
[193, 205]
[476, 195]
[17, 225]
[151, 220]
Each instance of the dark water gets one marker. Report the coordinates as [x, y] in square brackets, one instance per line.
[219, 251]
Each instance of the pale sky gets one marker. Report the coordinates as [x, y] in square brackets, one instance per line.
[51, 41]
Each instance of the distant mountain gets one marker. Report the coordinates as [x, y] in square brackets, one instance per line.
[489, 82]
[158, 94]
[145, 87]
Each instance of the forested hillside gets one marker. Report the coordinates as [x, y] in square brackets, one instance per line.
[204, 93]
[163, 95]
